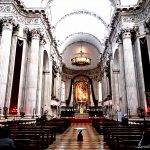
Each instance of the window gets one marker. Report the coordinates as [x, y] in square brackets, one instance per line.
[100, 91]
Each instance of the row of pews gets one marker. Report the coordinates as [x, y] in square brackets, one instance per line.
[36, 136]
[120, 136]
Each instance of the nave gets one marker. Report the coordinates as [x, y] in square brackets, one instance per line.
[68, 140]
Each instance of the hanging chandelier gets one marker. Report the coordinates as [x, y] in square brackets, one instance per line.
[81, 60]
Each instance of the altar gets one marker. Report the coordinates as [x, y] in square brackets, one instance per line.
[81, 115]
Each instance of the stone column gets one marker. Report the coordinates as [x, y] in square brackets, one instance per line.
[50, 82]
[58, 86]
[104, 85]
[116, 90]
[50, 68]
[40, 75]
[7, 26]
[46, 89]
[147, 31]
[23, 73]
[11, 65]
[140, 76]
[32, 73]
[112, 85]
[55, 81]
[122, 84]
[130, 78]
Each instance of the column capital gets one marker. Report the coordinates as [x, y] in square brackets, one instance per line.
[26, 34]
[35, 33]
[129, 33]
[42, 40]
[8, 23]
[126, 33]
[16, 29]
[119, 38]
[147, 25]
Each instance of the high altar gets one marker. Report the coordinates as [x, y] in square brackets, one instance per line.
[81, 96]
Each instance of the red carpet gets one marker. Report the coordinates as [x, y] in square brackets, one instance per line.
[82, 120]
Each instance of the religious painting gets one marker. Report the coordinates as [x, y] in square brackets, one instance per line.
[81, 90]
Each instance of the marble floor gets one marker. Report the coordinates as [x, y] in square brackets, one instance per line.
[68, 140]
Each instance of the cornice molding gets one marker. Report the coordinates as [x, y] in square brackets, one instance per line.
[28, 17]
[122, 14]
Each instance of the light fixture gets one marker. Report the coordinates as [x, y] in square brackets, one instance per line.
[81, 60]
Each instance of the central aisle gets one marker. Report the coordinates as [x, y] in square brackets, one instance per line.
[68, 140]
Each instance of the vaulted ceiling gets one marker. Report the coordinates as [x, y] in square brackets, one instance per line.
[76, 21]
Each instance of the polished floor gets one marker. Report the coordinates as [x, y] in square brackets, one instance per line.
[68, 140]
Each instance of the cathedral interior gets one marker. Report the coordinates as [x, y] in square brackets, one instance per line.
[72, 57]
[68, 66]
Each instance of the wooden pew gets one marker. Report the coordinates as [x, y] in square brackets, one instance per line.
[30, 139]
[27, 140]
[115, 136]
[99, 124]
[108, 129]
[60, 124]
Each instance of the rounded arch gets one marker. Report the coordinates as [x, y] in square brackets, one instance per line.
[82, 12]
[80, 36]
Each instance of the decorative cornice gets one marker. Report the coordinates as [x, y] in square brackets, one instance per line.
[131, 8]
[90, 73]
[138, 17]
[26, 16]
[122, 10]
